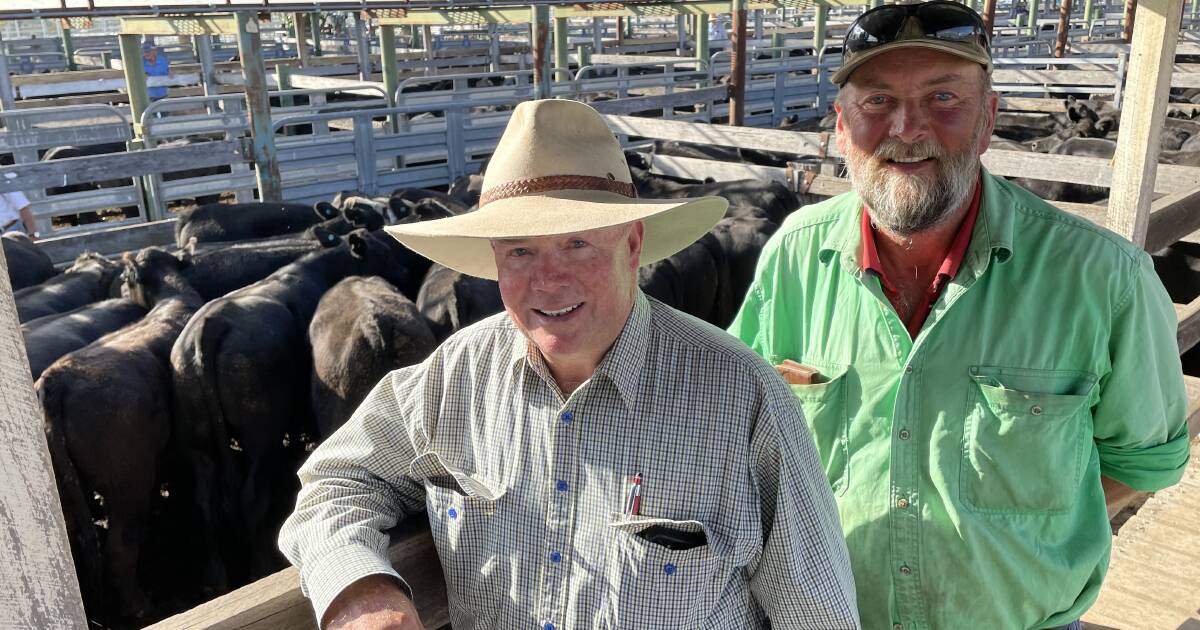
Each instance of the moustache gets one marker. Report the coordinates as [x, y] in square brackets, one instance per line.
[902, 151]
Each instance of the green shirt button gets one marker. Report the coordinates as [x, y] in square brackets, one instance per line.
[904, 570]
[902, 504]
[897, 626]
[1036, 410]
[903, 434]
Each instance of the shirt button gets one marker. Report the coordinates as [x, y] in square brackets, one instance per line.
[904, 570]
[561, 486]
[452, 513]
[669, 569]
[908, 369]
[902, 504]
[1036, 410]
[897, 626]
[567, 417]
[903, 434]
[555, 556]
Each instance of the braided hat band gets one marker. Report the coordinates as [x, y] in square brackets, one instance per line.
[553, 183]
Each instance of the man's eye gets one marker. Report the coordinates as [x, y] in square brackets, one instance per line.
[518, 251]
[577, 243]
[878, 99]
[944, 97]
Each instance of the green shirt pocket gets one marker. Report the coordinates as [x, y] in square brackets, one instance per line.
[1025, 439]
[824, 406]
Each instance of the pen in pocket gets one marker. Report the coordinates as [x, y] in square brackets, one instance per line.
[633, 500]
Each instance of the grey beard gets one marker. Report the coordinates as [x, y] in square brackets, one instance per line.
[905, 205]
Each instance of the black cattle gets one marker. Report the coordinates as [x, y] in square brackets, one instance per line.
[27, 263]
[466, 190]
[90, 279]
[233, 222]
[771, 197]
[694, 280]
[238, 365]
[107, 409]
[389, 209]
[1077, 193]
[363, 328]
[50, 337]
[742, 237]
[451, 300]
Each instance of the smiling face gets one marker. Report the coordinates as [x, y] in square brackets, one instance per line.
[570, 294]
[912, 124]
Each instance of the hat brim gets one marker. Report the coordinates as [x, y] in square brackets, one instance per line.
[463, 242]
[965, 51]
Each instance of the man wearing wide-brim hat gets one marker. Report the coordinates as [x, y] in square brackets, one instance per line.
[991, 368]
[589, 458]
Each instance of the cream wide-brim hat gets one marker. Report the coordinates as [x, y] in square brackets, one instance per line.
[558, 169]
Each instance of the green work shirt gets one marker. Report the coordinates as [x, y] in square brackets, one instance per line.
[966, 462]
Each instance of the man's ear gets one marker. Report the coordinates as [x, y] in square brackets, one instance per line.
[635, 239]
[839, 135]
[992, 106]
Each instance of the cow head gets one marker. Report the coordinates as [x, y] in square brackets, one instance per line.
[358, 244]
[325, 210]
[326, 237]
[151, 271]
[364, 216]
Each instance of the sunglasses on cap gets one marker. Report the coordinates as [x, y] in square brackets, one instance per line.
[939, 20]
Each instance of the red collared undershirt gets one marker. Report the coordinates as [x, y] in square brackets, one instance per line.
[954, 257]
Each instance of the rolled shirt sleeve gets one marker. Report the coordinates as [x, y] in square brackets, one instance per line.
[1140, 421]
[355, 486]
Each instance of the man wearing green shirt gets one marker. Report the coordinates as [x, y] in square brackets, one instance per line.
[989, 367]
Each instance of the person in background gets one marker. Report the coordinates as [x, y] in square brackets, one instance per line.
[15, 214]
[156, 64]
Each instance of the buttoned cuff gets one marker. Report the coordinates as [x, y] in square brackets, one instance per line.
[323, 579]
[1146, 469]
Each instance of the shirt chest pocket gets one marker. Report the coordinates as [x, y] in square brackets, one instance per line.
[825, 412]
[663, 586]
[1026, 439]
[463, 518]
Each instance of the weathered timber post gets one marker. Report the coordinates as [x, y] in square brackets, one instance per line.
[37, 576]
[539, 27]
[67, 45]
[758, 24]
[300, 30]
[283, 78]
[989, 15]
[363, 38]
[1135, 163]
[262, 135]
[598, 35]
[620, 30]
[737, 70]
[1130, 18]
[681, 35]
[314, 24]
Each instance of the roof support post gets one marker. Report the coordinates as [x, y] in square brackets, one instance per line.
[300, 30]
[387, 58]
[204, 54]
[314, 24]
[1135, 162]
[135, 78]
[493, 48]
[1064, 25]
[1130, 18]
[6, 87]
[819, 19]
[702, 41]
[37, 576]
[363, 38]
[1087, 13]
[254, 72]
[598, 34]
[539, 28]
[1031, 28]
[620, 30]
[681, 34]
[758, 24]
[562, 59]
[737, 70]
[67, 45]
[989, 15]
[427, 46]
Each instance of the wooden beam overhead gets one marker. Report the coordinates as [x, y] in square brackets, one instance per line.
[457, 17]
[204, 25]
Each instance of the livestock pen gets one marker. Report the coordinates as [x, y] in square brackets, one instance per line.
[283, 140]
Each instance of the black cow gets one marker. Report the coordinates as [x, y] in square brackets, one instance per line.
[451, 300]
[694, 280]
[50, 337]
[363, 328]
[742, 237]
[27, 263]
[238, 365]
[107, 409]
[90, 279]
[466, 190]
[1077, 193]
[232, 222]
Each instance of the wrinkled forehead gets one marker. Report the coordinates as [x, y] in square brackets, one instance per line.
[598, 236]
[915, 67]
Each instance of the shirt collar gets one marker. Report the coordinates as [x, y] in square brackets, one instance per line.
[621, 365]
[993, 231]
[869, 255]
